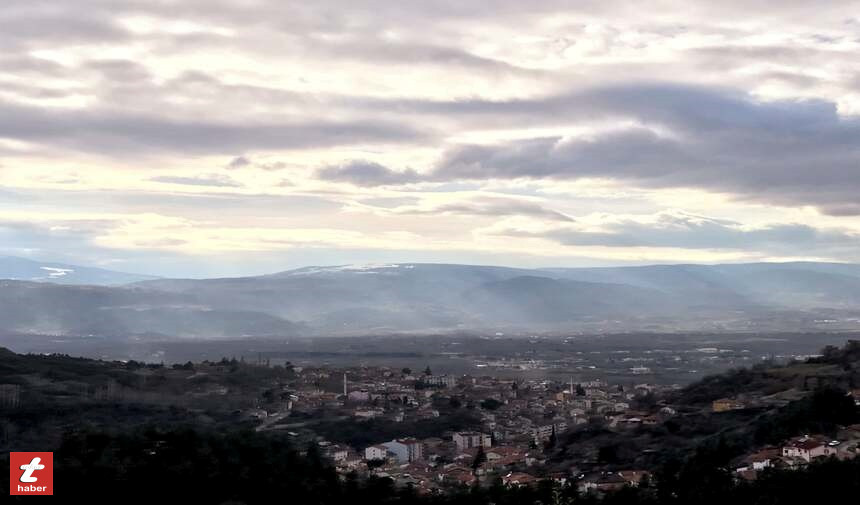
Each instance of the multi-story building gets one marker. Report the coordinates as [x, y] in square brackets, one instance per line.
[375, 452]
[544, 432]
[337, 453]
[447, 381]
[468, 439]
[405, 450]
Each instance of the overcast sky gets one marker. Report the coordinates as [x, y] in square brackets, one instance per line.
[225, 137]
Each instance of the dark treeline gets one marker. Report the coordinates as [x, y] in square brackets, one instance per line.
[194, 465]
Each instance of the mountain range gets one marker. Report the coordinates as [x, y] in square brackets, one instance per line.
[414, 297]
[23, 269]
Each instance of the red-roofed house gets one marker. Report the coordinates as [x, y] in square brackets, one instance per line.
[519, 479]
[807, 448]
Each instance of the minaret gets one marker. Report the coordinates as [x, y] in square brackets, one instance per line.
[344, 385]
[571, 386]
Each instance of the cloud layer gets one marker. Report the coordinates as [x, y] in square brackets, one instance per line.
[534, 134]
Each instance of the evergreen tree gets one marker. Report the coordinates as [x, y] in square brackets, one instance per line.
[480, 459]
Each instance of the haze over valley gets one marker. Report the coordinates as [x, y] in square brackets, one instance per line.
[415, 298]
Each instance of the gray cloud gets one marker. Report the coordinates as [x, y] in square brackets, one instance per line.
[629, 153]
[695, 232]
[408, 53]
[365, 173]
[488, 206]
[23, 64]
[238, 162]
[784, 152]
[115, 132]
[197, 205]
[245, 161]
[33, 26]
[118, 71]
[795, 79]
[217, 180]
[727, 54]
[386, 202]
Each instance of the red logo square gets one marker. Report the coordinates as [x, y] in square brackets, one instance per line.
[31, 473]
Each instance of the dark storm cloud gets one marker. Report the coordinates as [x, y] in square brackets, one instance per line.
[365, 173]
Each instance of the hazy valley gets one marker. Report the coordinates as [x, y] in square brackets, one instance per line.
[420, 298]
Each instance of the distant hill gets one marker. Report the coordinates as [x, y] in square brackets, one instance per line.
[44, 308]
[414, 297]
[799, 285]
[22, 269]
[410, 297]
[533, 298]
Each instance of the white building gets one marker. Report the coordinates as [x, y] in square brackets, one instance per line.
[582, 403]
[375, 452]
[543, 433]
[447, 381]
[756, 462]
[468, 439]
[807, 448]
[337, 453]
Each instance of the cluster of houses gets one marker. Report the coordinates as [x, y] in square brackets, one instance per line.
[518, 420]
[527, 412]
[799, 452]
[758, 400]
[467, 458]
